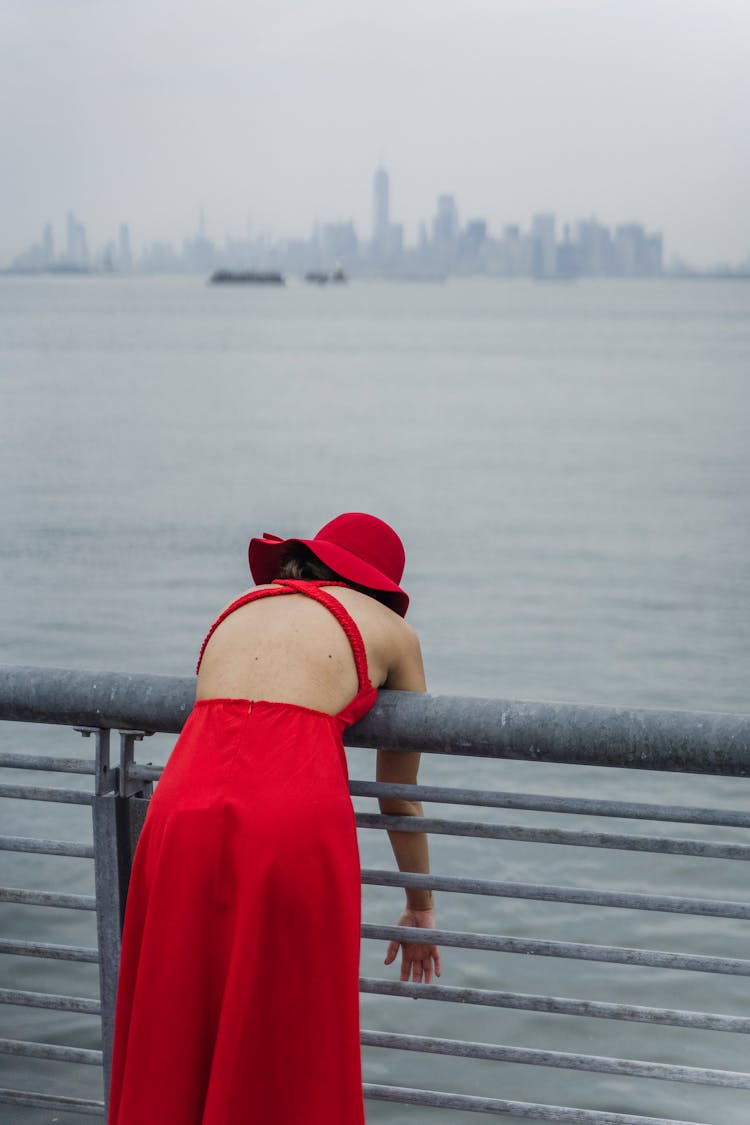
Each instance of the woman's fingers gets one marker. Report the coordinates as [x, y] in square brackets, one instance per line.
[418, 962]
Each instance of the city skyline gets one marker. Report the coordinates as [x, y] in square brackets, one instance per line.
[445, 246]
[387, 237]
[272, 117]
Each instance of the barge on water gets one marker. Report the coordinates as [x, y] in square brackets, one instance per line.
[247, 277]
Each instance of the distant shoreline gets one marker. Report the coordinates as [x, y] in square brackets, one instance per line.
[687, 275]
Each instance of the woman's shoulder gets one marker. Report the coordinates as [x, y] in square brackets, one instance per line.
[392, 645]
[240, 599]
[381, 627]
[369, 608]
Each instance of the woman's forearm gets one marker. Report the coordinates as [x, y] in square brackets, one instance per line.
[410, 850]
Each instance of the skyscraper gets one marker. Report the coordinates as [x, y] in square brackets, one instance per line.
[595, 253]
[48, 247]
[124, 253]
[444, 250]
[77, 248]
[381, 215]
[445, 223]
[544, 250]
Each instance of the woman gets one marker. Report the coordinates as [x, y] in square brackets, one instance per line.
[238, 999]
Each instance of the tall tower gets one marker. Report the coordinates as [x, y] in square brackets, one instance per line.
[445, 223]
[78, 253]
[381, 217]
[544, 250]
[48, 246]
[124, 253]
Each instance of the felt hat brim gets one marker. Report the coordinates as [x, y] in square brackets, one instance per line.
[264, 556]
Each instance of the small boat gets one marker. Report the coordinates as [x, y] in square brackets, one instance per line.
[247, 277]
[322, 277]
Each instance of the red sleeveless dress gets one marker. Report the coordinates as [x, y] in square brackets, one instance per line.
[238, 999]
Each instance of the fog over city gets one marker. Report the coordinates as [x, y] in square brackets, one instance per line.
[271, 117]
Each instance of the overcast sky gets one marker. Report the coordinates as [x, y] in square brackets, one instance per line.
[271, 114]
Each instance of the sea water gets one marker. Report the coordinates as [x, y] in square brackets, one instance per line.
[568, 465]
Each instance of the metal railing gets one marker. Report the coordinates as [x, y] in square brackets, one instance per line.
[698, 743]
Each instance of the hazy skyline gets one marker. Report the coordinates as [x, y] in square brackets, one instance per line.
[271, 116]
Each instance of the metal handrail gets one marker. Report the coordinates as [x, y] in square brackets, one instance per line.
[53, 795]
[669, 741]
[540, 892]
[563, 1059]
[50, 1000]
[47, 898]
[685, 741]
[558, 836]
[52, 951]
[46, 847]
[573, 950]
[557, 1005]
[507, 1107]
[50, 1051]
[86, 1107]
[55, 1052]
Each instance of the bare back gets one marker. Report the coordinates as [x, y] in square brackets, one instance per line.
[291, 649]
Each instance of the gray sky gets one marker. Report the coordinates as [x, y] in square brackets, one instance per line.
[272, 113]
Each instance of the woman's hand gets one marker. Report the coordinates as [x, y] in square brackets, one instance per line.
[417, 958]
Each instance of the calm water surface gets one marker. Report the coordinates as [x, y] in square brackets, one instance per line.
[569, 466]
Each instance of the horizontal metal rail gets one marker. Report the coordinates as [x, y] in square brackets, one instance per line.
[86, 1107]
[504, 1107]
[634, 1068]
[50, 1000]
[534, 802]
[46, 847]
[47, 898]
[556, 1005]
[686, 741]
[559, 836]
[49, 950]
[529, 802]
[48, 764]
[671, 904]
[138, 772]
[53, 795]
[68, 697]
[578, 951]
[50, 1051]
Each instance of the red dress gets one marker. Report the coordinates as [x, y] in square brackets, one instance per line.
[238, 999]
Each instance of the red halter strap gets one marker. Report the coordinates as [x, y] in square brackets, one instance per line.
[346, 621]
[310, 589]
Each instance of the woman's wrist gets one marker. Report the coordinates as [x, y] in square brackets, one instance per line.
[422, 904]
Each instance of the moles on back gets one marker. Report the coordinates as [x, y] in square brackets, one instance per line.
[290, 649]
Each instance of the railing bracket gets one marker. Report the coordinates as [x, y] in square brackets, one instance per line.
[105, 775]
[132, 786]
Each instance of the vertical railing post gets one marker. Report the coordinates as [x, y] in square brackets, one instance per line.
[107, 818]
[112, 861]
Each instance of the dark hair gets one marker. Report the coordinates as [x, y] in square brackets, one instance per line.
[297, 561]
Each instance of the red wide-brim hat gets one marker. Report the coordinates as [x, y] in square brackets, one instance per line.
[361, 548]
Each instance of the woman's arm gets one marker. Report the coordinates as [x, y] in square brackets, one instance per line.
[400, 767]
[418, 959]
